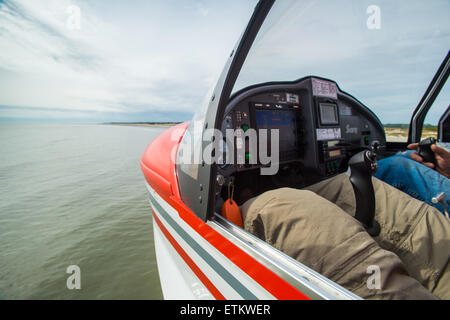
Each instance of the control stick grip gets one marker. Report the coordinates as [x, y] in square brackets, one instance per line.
[362, 166]
[424, 150]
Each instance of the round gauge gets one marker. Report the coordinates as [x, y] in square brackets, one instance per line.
[228, 122]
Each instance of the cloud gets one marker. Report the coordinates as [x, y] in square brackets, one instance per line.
[127, 58]
[387, 69]
[135, 58]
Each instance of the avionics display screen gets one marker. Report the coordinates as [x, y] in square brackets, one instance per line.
[328, 113]
[284, 121]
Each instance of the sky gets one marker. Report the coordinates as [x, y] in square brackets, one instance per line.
[385, 53]
[116, 60]
[155, 60]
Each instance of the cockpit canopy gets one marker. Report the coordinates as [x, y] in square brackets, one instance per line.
[379, 58]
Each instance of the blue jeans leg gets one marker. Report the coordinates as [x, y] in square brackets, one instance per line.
[413, 178]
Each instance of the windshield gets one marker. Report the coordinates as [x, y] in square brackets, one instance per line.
[385, 54]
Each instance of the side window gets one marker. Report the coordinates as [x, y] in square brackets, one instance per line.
[440, 105]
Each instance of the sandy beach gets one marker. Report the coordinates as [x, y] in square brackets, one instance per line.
[143, 124]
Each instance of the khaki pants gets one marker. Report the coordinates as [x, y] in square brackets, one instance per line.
[316, 227]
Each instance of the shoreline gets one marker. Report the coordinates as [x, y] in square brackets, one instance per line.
[143, 124]
[393, 134]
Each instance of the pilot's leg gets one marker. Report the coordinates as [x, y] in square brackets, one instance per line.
[418, 233]
[322, 236]
[413, 178]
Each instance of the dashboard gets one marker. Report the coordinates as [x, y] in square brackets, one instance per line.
[319, 127]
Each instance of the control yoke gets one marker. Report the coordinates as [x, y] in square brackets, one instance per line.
[362, 166]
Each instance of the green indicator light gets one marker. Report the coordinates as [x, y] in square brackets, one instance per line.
[248, 156]
[245, 127]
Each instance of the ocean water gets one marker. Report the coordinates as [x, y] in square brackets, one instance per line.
[75, 195]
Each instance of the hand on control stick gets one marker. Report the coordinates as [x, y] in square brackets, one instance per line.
[441, 155]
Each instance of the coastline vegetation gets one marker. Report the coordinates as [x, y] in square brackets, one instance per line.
[394, 131]
[144, 124]
[399, 131]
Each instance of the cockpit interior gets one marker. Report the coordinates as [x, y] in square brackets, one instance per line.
[319, 129]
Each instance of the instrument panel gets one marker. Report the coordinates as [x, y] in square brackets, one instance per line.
[310, 121]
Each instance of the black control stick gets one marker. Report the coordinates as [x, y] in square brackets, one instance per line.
[425, 151]
[362, 166]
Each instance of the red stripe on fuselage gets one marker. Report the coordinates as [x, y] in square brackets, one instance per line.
[277, 286]
[165, 171]
[202, 277]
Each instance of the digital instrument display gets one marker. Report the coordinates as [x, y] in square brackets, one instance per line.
[284, 121]
[328, 113]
